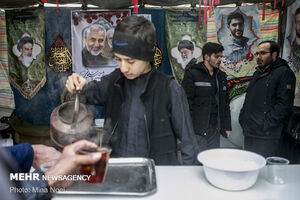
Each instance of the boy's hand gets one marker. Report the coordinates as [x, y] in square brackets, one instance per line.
[75, 82]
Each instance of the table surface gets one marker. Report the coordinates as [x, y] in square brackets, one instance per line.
[189, 182]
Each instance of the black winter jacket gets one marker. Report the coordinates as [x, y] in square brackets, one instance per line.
[156, 99]
[269, 101]
[196, 83]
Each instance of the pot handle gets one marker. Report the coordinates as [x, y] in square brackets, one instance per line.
[76, 108]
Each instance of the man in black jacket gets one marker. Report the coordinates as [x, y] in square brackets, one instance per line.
[145, 110]
[269, 101]
[205, 86]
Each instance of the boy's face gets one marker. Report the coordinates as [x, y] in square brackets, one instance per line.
[132, 68]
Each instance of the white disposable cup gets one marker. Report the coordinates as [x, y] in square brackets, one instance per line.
[276, 170]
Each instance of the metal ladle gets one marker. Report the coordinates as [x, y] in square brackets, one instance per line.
[76, 110]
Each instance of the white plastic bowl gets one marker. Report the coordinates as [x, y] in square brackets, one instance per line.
[231, 169]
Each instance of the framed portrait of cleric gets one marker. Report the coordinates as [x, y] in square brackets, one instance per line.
[291, 47]
[26, 49]
[184, 39]
[26, 53]
[186, 52]
[92, 33]
[238, 31]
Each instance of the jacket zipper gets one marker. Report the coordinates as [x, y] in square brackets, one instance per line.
[207, 129]
[120, 90]
[147, 131]
[113, 131]
[218, 101]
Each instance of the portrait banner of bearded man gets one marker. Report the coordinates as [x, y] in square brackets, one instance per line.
[184, 40]
[238, 31]
[92, 33]
[291, 46]
[186, 52]
[26, 51]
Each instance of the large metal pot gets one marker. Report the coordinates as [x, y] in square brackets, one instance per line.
[69, 122]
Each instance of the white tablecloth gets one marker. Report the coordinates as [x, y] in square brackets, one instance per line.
[190, 183]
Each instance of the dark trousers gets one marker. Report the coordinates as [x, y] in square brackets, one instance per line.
[264, 147]
[289, 148]
[209, 140]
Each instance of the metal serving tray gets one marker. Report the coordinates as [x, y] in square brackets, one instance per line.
[125, 176]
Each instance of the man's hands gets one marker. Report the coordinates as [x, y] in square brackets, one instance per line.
[69, 162]
[44, 154]
[75, 82]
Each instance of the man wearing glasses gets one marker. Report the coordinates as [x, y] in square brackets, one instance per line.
[269, 101]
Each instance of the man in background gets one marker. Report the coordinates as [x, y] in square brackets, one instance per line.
[92, 54]
[269, 101]
[186, 49]
[205, 87]
[237, 47]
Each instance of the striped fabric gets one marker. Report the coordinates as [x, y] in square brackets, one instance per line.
[6, 94]
[268, 27]
[211, 29]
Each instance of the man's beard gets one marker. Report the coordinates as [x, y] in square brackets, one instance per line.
[237, 36]
[26, 60]
[94, 53]
[187, 60]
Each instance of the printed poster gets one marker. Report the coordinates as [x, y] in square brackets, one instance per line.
[238, 30]
[92, 33]
[184, 40]
[291, 47]
[26, 51]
